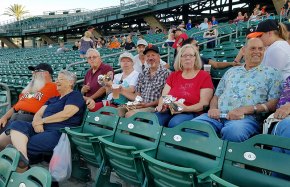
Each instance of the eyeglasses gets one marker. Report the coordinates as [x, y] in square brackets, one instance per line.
[92, 57]
[39, 70]
[187, 55]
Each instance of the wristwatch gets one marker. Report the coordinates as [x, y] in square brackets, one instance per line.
[255, 109]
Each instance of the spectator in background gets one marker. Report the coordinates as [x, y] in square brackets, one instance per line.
[140, 63]
[179, 38]
[182, 25]
[62, 48]
[123, 42]
[255, 16]
[42, 135]
[129, 43]
[158, 30]
[76, 46]
[210, 34]
[257, 10]
[91, 30]
[150, 83]
[244, 93]
[190, 83]
[246, 17]
[170, 40]
[205, 60]
[99, 43]
[86, 43]
[204, 24]
[214, 21]
[274, 36]
[188, 25]
[91, 87]
[115, 44]
[239, 18]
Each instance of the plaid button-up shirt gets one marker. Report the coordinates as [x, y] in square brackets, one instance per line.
[149, 87]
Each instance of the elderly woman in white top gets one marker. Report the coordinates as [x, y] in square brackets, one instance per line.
[126, 80]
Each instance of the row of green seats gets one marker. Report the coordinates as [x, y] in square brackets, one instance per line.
[143, 153]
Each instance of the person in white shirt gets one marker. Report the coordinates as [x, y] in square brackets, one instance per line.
[204, 25]
[139, 60]
[274, 35]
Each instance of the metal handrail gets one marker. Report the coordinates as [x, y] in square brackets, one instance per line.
[202, 31]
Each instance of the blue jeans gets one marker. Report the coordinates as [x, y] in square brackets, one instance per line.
[282, 129]
[233, 130]
[166, 119]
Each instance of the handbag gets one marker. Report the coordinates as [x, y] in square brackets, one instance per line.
[60, 165]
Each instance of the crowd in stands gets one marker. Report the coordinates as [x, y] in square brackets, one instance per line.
[244, 93]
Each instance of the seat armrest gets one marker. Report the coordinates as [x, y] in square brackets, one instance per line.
[205, 176]
[221, 181]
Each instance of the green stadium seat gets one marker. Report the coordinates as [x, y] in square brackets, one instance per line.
[34, 177]
[102, 122]
[121, 151]
[247, 163]
[182, 154]
[9, 158]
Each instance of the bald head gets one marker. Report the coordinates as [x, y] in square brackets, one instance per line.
[254, 52]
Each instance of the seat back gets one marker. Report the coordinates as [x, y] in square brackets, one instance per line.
[34, 177]
[102, 122]
[194, 147]
[9, 158]
[140, 131]
[244, 162]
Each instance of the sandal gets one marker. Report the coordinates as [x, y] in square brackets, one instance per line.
[23, 163]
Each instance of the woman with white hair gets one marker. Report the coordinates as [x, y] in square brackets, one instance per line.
[42, 135]
[86, 43]
[127, 81]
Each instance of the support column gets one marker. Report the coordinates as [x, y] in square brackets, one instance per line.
[64, 38]
[185, 12]
[22, 41]
[33, 42]
[2, 44]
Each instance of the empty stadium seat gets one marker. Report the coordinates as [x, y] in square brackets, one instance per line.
[184, 152]
[121, 151]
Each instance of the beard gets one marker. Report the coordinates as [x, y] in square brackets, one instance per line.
[37, 82]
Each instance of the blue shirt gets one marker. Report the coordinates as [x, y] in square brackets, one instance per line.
[240, 87]
[57, 104]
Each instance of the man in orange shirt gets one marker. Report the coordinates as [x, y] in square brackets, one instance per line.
[115, 44]
[32, 98]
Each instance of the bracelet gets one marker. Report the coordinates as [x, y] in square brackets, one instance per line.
[265, 107]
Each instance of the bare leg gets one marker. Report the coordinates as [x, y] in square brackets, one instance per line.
[19, 141]
[4, 141]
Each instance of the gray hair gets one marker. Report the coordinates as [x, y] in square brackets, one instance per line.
[70, 76]
[197, 63]
[93, 50]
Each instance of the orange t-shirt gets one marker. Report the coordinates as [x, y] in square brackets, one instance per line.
[33, 102]
[114, 45]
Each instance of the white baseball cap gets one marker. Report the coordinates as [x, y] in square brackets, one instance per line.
[142, 42]
[126, 55]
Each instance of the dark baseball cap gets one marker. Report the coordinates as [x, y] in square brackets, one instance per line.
[177, 29]
[41, 66]
[151, 47]
[264, 26]
[90, 27]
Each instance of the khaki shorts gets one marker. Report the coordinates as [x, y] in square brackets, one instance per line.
[123, 112]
